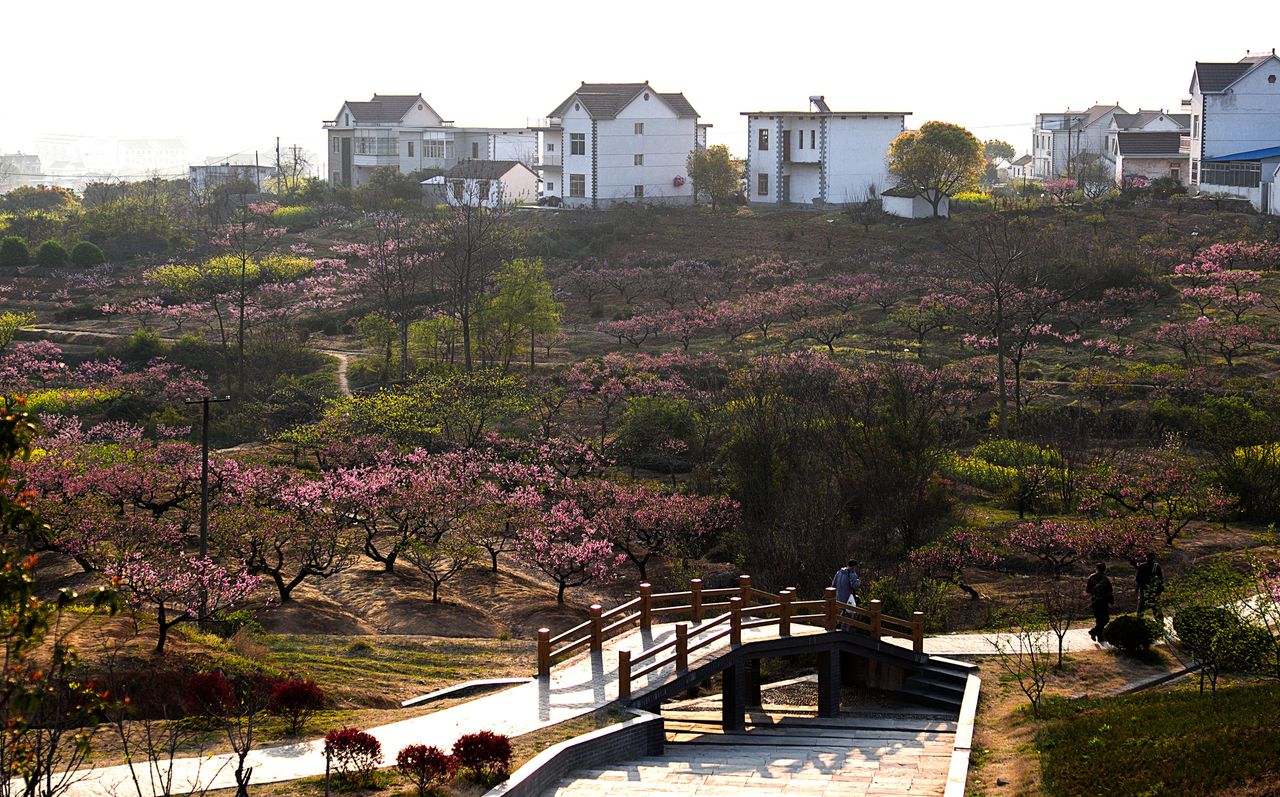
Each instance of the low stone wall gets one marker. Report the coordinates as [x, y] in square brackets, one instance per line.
[634, 738]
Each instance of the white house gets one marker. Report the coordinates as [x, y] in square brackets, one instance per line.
[1151, 155]
[1234, 145]
[212, 175]
[490, 183]
[1060, 139]
[819, 155]
[619, 142]
[1020, 169]
[908, 204]
[403, 131]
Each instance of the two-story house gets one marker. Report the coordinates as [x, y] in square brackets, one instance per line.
[1149, 144]
[404, 132]
[819, 155]
[1061, 140]
[619, 142]
[1235, 129]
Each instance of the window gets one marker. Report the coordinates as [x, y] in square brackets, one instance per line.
[764, 139]
[639, 128]
[1237, 174]
[337, 176]
[475, 149]
[1195, 126]
[1175, 171]
[1195, 172]
[813, 137]
[551, 185]
[437, 148]
[799, 139]
[577, 185]
[551, 147]
[459, 188]
[409, 144]
[484, 190]
[639, 192]
[762, 184]
[577, 143]
[337, 146]
[639, 160]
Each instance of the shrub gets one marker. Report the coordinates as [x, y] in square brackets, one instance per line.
[1129, 633]
[1011, 453]
[296, 700]
[979, 473]
[487, 755]
[87, 253]
[51, 253]
[1222, 642]
[209, 694]
[428, 767]
[14, 252]
[1253, 474]
[295, 217]
[971, 200]
[356, 753]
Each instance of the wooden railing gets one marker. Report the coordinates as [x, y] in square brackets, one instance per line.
[744, 607]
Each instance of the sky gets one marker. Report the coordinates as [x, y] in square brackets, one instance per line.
[231, 76]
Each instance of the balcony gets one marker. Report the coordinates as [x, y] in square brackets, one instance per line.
[1184, 144]
[553, 160]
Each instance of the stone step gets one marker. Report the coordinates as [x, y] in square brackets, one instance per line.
[868, 723]
[864, 739]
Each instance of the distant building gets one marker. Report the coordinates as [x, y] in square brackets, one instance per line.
[619, 142]
[404, 132]
[819, 155]
[490, 183]
[908, 204]
[1151, 155]
[19, 169]
[202, 178]
[1234, 146]
[1021, 168]
[1059, 139]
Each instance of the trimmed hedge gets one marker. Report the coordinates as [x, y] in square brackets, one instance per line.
[87, 253]
[14, 252]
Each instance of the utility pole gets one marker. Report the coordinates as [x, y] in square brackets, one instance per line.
[257, 175]
[204, 403]
[277, 167]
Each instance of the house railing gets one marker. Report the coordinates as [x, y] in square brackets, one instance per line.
[741, 607]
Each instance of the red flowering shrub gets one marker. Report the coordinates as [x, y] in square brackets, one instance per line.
[356, 753]
[209, 694]
[428, 767]
[296, 700]
[487, 755]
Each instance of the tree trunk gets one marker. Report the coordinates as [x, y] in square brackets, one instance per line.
[162, 631]
[560, 594]
[404, 349]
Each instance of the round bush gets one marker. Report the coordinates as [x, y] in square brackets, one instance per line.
[428, 767]
[356, 753]
[51, 253]
[1198, 626]
[86, 253]
[14, 252]
[296, 700]
[1222, 640]
[1129, 633]
[486, 754]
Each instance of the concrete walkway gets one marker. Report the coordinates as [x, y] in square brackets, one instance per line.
[576, 687]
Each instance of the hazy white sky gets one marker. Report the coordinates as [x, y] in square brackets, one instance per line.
[232, 75]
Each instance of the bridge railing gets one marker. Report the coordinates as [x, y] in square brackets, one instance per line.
[743, 607]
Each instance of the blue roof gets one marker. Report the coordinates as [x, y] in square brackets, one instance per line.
[1251, 155]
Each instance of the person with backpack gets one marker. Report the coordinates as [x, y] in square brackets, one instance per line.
[1101, 596]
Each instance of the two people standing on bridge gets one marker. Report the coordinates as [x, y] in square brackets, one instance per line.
[847, 581]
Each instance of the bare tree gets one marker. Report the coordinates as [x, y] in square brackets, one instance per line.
[1023, 653]
[1062, 604]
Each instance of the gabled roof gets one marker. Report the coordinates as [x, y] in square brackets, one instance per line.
[605, 100]
[383, 108]
[1097, 112]
[901, 191]
[1023, 161]
[1218, 77]
[1145, 143]
[482, 170]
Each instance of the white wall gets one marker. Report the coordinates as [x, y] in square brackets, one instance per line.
[1151, 168]
[665, 146]
[519, 186]
[576, 121]
[762, 161]
[857, 150]
[1245, 119]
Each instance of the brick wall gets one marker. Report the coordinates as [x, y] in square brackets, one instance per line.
[635, 738]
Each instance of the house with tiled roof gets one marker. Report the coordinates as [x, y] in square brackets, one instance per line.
[819, 155]
[487, 183]
[1234, 146]
[608, 143]
[1021, 168]
[1061, 138]
[1150, 155]
[403, 131]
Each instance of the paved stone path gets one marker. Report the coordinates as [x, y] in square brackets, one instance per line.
[576, 687]
[850, 757]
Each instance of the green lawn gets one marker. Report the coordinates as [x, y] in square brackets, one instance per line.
[1175, 742]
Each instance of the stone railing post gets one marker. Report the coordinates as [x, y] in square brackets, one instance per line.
[597, 627]
[695, 598]
[682, 647]
[544, 652]
[646, 606]
[917, 632]
[784, 613]
[829, 596]
[624, 673]
[875, 619]
[735, 621]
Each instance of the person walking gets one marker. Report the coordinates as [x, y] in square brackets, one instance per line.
[1101, 596]
[1150, 580]
[847, 581]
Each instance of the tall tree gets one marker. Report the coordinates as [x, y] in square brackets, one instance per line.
[522, 308]
[994, 149]
[474, 243]
[714, 173]
[935, 161]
